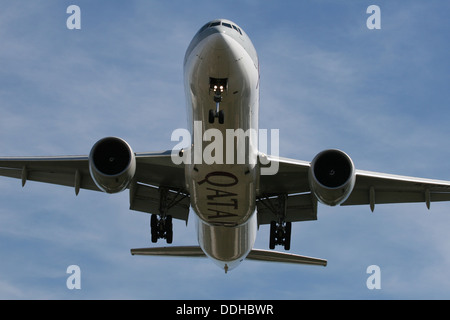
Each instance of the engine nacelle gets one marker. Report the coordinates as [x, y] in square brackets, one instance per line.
[332, 177]
[112, 164]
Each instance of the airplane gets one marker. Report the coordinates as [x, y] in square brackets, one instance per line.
[230, 196]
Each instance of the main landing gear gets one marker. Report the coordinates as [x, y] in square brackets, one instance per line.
[218, 87]
[161, 226]
[280, 229]
[280, 234]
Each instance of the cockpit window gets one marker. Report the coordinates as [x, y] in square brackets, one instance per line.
[218, 23]
[237, 29]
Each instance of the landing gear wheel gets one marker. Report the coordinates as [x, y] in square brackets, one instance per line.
[221, 117]
[169, 229]
[280, 234]
[211, 116]
[273, 226]
[287, 236]
[154, 227]
[161, 228]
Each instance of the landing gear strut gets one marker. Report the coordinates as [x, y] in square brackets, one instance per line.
[161, 226]
[280, 229]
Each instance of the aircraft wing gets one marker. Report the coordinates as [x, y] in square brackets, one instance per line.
[153, 170]
[370, 188]
[291, 176]
[71, 171]
[380, 188]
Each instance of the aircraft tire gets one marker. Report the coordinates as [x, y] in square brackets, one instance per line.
[211, 116]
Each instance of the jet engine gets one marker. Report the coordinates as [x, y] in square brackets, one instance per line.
[332, 177]
[112, 164]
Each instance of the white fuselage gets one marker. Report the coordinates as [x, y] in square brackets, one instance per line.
[222, 174]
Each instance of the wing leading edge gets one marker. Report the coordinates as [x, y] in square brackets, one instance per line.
[373, 188]
[370, 188]
[70, 171]
[155, 173]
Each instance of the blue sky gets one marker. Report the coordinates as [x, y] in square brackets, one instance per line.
[326, 82]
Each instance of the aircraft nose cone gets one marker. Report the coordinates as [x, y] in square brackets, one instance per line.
[224, 47]
[220, 41]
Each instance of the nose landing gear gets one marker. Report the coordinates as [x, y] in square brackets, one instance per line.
[218, 87]
[216, 114]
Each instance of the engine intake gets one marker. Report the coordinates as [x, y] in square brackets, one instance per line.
[332, 176]
[112, 164]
